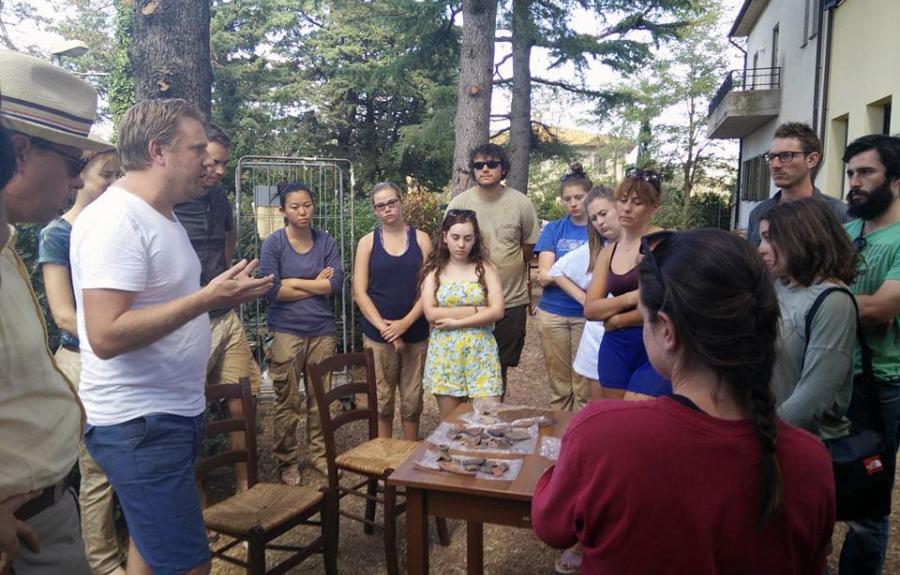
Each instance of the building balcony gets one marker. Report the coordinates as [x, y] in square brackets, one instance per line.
[746, 100]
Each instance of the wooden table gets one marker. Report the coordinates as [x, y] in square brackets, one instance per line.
[475, 501]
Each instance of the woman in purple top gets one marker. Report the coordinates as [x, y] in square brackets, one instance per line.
[622, 364]
[385, 278]
[306, 264]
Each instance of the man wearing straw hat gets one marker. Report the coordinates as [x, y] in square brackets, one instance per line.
[50, 113]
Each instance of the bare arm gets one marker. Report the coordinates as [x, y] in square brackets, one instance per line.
[597, 306]
[625, 319]
[360, 283]
[546, 259]
[571, 288]
[396, 328]
[486, 315]
[114, 328]
[881, 307]
[433, 312]
[60, 298]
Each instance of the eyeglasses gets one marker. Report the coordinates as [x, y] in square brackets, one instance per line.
[75, 164]
[650, 176]
[492, 164]
[783, 157]
[455, 213]
[388, 204]
[651, 242]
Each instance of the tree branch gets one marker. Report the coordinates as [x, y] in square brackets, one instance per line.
[4, 34]
[570, 87]
[495, 134]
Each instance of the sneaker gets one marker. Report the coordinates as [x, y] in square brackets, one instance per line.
[569, 562]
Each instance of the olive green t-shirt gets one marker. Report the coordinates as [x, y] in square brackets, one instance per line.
[881, 262]
[506, 223]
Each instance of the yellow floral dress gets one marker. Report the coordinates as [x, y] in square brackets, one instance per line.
[462, 362]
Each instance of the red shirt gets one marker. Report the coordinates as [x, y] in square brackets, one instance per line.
[657, 487]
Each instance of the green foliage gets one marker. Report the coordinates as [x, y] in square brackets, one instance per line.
[121, 80]
[27, 248]
[371, 82]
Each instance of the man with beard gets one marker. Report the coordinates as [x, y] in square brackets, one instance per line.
[873, 171]
[510, 227]
[793, 158]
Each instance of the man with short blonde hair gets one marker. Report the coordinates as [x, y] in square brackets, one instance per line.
[145, 334]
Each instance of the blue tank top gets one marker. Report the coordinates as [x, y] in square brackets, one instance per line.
[392, 286]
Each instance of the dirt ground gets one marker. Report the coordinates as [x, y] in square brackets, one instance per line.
[508, 551]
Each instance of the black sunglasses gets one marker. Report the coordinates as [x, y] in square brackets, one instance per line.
[649, 243]
[492, 164]
[456, 212]
[650, 176]
[74, 163]
[859, 242]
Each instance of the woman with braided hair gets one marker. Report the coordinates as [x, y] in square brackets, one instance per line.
[707, 480]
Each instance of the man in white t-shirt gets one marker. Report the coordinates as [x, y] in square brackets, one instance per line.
[145, 335]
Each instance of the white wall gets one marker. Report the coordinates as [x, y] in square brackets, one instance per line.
[798, 66]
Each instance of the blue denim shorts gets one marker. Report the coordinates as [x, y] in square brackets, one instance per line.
[622, 363]
[150, 464]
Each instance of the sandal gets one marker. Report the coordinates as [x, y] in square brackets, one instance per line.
[569, 562]
[291, 476]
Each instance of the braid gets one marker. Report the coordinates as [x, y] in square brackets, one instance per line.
[770, 480]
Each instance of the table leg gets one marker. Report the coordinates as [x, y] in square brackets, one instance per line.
[474, 548]
[416, 533]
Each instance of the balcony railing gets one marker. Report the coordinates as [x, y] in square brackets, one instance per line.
[747, 79]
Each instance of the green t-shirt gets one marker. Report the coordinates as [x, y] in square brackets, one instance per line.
[881, 262]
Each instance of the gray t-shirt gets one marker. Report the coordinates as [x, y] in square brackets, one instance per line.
[208, 221]
[839, 208]
[813, 380]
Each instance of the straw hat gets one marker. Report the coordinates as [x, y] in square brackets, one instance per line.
[41, 100]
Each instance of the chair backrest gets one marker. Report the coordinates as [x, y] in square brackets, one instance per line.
[245, 424]
[344, 362]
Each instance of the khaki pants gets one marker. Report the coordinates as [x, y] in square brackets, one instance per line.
[560, 336]
[230, 357]
[95, 496]
[401, 371]
[288, 358]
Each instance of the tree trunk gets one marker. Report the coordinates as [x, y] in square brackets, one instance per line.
[473, 107]
[520, 110]
[170, 52]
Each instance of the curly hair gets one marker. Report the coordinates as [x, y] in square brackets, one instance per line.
[439, 258]
[811, 241]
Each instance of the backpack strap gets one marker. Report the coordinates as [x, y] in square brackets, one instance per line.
[868, 375]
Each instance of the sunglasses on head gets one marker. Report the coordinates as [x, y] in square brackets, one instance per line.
[650, 176]
[492, 164]
[455, 213]
[649, 243]
[75, 164]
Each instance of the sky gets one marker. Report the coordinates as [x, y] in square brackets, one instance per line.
[561, 111]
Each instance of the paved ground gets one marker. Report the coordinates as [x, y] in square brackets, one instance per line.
[508, 551]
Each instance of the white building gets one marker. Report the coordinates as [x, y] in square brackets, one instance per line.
[777, 84]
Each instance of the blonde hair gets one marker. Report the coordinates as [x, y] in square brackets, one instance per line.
[151, 121]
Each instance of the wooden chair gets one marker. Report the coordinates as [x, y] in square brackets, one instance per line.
[265, 511]
[374, 460]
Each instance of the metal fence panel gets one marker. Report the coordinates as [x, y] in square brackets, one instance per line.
[257, 215]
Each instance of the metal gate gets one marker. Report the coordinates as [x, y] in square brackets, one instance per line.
[257, 215]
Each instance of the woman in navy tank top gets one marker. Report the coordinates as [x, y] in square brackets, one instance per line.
[385, 280]
[622, 364]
